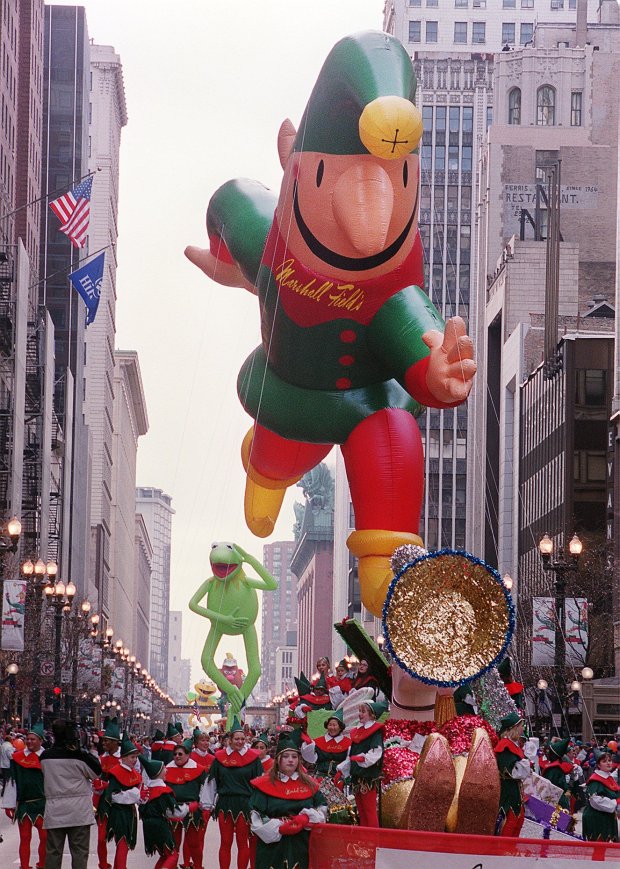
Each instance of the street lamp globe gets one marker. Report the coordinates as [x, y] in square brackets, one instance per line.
[71, 590]
[507, 580]
[575, 685]
[39, 568]
[575, 546]
[546, 546]
[85, 607]
[51, 568]
[14, 527]
[587, 673]
[28, 568]
[542, 685]
[12, 669]
[60, 588]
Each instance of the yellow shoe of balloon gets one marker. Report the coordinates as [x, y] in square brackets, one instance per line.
[374, 549]
[263, 496]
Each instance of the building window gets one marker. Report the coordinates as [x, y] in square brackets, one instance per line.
[572, 4]
[415, 2]
[545, 106]
[527, 33]
[478, 36]
[508, 33]
[557, 4]
[461, 4]
[415, 31]
[432, 2]
[460, 31]
[479, 4]
[575, 109]
[514, 106]
[509, 4]
[431, 31]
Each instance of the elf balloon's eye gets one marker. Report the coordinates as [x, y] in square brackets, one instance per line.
[405, 173]
[319, 173]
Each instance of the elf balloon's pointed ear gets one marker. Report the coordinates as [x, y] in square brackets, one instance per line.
[286, 138]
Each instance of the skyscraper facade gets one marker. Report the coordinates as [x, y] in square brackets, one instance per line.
[278, 612]
[156, 509]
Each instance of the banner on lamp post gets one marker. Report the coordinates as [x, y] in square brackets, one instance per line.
[13, 614]
[575, 631]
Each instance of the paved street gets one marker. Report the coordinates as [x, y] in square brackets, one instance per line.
[137, 859]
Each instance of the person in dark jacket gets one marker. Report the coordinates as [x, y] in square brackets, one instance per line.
[68, 773]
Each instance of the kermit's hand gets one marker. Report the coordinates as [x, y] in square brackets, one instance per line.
[451, 365]
[234, 621]
[241, 552]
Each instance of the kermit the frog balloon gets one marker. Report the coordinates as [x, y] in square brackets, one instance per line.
[352, 348]
[232, 607]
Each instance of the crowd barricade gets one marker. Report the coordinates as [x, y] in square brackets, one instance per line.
[346, 847]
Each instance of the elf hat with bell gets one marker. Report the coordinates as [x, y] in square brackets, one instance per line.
[112, 730]
[127, 746]
[236, 726]
[363, 100]
[289, 740]
[559, 747]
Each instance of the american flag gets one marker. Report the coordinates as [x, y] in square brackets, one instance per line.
[73, 211]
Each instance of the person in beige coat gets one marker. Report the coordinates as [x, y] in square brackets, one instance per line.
[68, 773]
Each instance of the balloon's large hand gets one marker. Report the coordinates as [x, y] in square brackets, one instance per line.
[234, 621]
[226, 273]
[451, 366]
[236, 698]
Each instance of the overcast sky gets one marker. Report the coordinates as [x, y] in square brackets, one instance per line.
[207, 85]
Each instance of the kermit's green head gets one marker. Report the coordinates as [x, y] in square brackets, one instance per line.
[225, 560]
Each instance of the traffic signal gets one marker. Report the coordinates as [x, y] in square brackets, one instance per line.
[57, 691]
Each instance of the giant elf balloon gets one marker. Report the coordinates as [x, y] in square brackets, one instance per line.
[232, 607]
[352, 348]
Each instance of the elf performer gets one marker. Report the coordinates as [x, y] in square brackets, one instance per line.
[514, 767]
[600, 823]
[188, 782]
[283, 805]
[25, 799]
[203, 757]
[111, 741]
[558, 769]
[326, 752]
[229, 792]
[121, 798]
[154, 814]
[365, 762]
[157, 745]
[261, 746]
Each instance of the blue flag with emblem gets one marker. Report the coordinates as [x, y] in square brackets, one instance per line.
[87, 281]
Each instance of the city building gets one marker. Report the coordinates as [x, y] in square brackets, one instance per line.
[129, 422]
[179, 668]
[143, 563]
[108, 115]
[286, 667]
[65, 162]
[278, 613]
[313, 565]
[156, 509]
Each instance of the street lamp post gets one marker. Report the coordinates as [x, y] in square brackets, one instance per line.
[40, 574]
[560, 567]
[60, 597]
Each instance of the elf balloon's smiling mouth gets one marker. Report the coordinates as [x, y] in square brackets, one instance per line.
[338, 260]
[223, 570]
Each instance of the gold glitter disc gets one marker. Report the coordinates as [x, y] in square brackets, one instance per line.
[447, 618]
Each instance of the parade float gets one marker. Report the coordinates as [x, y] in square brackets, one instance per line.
[352, 351]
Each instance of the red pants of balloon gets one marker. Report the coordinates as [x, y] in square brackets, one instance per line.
[25, 838]
[193, 841]
[384, 461]
[513, 823]
[102, 842]
[230, 830]
[367, 808]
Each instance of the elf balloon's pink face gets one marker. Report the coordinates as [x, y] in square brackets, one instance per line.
[352, 217]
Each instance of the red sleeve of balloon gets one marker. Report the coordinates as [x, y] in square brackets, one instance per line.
[415, 384]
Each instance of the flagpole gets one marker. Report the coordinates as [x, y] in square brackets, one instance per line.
[49, 195]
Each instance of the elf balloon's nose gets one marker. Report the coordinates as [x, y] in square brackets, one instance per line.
[390, 127]
[363, 201]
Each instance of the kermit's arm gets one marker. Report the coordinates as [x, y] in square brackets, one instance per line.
[195, 606]
[266, 581]
[239, 216]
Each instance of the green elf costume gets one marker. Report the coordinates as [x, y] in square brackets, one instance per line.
[282, 807]
[600, 820]
[558, 770]
[154, 813]
[365, 763]
[310, 697]
[326, 752]
[24, 796]
[228, 795]
[187, 779]
[108, 760]
[166, 749]
[157, 745]
[513, 767]
[346, 328]
[121, 796]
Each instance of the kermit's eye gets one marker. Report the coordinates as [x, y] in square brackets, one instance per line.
[319, 173]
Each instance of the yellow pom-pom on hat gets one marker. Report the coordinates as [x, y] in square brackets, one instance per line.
[390, 127]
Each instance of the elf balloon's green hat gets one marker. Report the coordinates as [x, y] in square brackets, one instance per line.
[363, 100]
[236, 726]
[127, 746]
[171, 730]
[559, 747]
[289, 740]
[112, 730]
[336, 716]
[153, 768]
